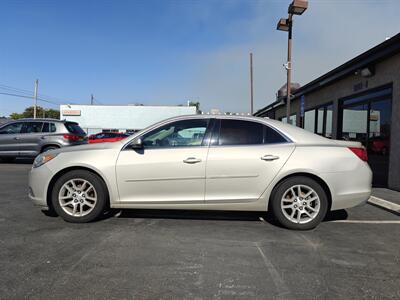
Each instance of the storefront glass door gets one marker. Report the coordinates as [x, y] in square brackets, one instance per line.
[368, 121]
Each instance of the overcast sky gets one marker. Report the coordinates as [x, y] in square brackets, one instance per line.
[168, 52]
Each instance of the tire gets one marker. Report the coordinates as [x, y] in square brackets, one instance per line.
[79, 189]
[48, 148]
[287, 205]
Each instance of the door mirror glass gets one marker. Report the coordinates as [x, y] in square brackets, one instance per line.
[136, 144]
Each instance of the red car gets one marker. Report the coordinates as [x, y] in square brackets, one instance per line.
[380, 145]
[103, 137]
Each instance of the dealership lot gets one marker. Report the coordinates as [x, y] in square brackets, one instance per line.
[160, 254]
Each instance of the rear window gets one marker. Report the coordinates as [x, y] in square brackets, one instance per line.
[75, 128]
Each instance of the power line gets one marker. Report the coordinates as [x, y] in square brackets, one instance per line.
[28, 97]
[42, 97]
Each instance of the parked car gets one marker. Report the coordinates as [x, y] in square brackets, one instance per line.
[30, 137]
[379, 145]
[103, 137]
[209, 163]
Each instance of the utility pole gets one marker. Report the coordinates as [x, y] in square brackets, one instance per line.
[35, 98]
[91, 99]
[251, 83]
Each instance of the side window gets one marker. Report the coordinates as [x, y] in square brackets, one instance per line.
[237, 132]
[53, 127]
[14, 128]
[271, 136]
[32, 127]
[184, 133]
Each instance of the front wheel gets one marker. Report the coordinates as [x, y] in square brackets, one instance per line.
[299, 203]
[79, 196]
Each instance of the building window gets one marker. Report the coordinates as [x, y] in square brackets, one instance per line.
[309, 120]
[366, 118]
[292, 119]
[319, 120]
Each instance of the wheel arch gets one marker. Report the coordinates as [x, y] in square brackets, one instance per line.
[66, 170]
[318, 179]
[49, 145]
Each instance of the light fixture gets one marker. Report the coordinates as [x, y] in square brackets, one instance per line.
[298, 7]
[283, 25]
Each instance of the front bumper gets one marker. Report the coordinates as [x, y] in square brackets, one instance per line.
[39, 179]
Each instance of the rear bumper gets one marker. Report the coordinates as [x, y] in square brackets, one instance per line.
[350, 189]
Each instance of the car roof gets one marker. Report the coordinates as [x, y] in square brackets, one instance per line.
[39, 120]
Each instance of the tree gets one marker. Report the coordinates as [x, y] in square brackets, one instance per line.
[40, 112]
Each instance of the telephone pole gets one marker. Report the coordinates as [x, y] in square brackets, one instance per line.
[251, 83]
[35, 98]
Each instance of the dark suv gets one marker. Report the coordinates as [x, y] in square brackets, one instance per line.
[29, 137]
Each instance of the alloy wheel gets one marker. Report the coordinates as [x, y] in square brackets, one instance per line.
[77, 197]
[300, 204]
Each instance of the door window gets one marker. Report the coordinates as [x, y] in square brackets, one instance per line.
[32, 127]
[186, 133]
[49, 127]
[14, 128]
[237, 132]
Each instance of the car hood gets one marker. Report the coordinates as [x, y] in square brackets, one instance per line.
[87, 147]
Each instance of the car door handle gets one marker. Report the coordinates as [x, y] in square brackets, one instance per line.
[269, 157]
[191, 160]
[16, 138]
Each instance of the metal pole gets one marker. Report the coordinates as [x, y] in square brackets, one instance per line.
[251, 84]
[289, 69]
[35, 98]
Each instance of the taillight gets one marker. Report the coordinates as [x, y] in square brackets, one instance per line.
[360, 152]
[72, 137]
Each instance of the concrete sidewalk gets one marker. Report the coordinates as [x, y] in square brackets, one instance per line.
[386, 199]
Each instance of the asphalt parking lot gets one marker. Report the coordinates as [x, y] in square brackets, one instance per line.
[202, 255]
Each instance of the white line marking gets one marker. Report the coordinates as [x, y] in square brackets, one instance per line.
[368, 221]
[275, 276]
[385, 204]
[262, 219]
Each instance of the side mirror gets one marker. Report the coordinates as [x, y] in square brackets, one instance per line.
[137, 144]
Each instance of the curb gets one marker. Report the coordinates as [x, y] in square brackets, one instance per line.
[387, 205]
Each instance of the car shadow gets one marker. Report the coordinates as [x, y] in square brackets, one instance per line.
[18, 161]
[211, 215]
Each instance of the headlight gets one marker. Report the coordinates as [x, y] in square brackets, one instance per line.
[42, 159]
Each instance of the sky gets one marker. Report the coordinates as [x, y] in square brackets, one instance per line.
[167, 52]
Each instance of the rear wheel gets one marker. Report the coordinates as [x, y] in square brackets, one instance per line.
[79, 196]
[299, 203]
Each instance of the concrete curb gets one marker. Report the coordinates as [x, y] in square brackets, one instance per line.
[390, 206]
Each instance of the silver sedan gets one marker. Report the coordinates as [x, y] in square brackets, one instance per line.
[206, 163]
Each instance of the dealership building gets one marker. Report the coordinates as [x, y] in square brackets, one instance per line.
[358, 101]
[122, 118]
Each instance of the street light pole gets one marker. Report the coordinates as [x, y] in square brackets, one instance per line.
[297, 7]
[251, 84]
[289, 69]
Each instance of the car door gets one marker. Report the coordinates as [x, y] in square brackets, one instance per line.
[9, 139]
[30, 138]
[243, 159]
[169, 169]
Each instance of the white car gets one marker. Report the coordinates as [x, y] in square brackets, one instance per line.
[207, 163]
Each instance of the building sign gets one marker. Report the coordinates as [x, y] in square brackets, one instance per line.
[302, 100]
[71, 112]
